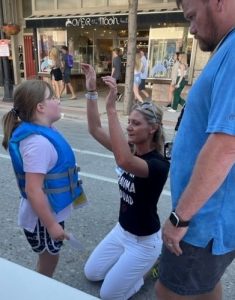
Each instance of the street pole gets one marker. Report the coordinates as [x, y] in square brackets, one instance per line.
[5, 66]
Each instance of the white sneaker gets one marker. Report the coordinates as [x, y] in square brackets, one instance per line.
[171, 110]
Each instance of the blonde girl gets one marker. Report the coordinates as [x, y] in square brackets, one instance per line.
[56, 73]
[137, 77]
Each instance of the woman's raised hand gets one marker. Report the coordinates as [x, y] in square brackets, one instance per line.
[90, 76]
[111, 83]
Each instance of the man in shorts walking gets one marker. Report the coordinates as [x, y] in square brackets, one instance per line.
[67, 66]
[199, 236]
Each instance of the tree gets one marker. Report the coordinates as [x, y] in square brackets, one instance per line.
[131, 51]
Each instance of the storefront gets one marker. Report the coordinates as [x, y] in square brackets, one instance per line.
[91, 38]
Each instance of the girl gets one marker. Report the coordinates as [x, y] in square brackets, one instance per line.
[137, 77]
[56, 73]
[129, 251]
[45, 169]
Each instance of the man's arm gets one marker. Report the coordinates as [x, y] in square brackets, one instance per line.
[212, 166]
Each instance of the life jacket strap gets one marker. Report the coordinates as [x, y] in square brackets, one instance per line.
[64, 189]
[55, 175]
[58, 190]
[69, 174]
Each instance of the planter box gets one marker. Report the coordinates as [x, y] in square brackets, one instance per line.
[160, 93]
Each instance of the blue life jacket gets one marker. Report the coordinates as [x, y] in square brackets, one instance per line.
[61, 185]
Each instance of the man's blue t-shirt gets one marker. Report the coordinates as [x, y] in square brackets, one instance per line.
[210, 109]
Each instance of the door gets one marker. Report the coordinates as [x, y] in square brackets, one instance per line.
[30, 70]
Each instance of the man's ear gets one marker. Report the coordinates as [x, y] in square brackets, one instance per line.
[220, 4]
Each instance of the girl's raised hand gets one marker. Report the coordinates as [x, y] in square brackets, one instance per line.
[90, 75]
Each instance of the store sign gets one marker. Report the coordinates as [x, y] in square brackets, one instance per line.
[83, 22]
[4, 48]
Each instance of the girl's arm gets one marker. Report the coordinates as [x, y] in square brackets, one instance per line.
[40, 205]
[94, 123]
[123, 156]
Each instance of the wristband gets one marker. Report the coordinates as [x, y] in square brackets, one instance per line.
[91, 96]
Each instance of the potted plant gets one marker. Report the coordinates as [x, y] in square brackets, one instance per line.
[11, 29]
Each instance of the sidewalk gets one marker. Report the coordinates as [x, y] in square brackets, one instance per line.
[76, 109]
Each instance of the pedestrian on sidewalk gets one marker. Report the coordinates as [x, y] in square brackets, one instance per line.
[144, 72]
[67, 64]
[132, 247]
[117, 69]
[137, 78]
[199, 240]
[180, 82]
[174, 74]
[56, 73]
[41, 157]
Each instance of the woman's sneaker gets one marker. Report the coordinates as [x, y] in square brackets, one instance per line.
[153, 272]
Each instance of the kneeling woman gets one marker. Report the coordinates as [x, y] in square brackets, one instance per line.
[129, 251]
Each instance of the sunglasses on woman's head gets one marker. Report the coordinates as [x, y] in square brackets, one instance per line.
[149, 107]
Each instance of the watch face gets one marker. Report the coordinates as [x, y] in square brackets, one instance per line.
[174, 219]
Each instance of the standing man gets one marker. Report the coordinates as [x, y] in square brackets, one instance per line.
[199, 236]
[116, 68]
[144, 73]
[67, 64]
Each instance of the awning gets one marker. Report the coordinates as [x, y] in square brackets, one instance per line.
[118, 19]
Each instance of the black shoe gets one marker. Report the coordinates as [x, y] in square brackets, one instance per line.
[168, 105]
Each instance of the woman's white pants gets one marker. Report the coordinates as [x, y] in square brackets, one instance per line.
[121, 260]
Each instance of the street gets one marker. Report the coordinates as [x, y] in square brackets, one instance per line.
[89, 224]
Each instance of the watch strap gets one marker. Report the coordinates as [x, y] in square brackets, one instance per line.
[175, 220]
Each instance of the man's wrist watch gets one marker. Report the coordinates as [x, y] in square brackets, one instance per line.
[175, 220]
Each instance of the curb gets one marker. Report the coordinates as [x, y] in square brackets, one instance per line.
[73, 110]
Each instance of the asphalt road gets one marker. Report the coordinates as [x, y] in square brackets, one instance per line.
[89, 224]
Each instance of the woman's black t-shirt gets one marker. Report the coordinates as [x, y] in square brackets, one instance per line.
[139, 196]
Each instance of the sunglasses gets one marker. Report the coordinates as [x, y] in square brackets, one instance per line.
[149, 107]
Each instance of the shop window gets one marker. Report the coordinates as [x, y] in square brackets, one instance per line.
[103, 55]
[95, 3]
[92, 46]
[68, 4]
[46, 40]
[163, 44]
[80, 43]
[44, 5]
